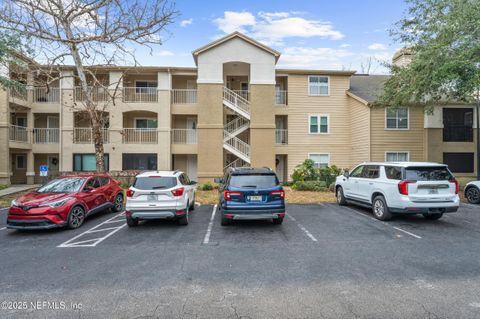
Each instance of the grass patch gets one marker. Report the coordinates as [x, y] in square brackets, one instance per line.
[6, 200]
[3, 186]
[207, 197]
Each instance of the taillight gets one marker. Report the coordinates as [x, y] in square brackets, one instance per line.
[228, 195]
[280, 193]
[403, 187]
[178, 191]
[456, 184]
[130, 193]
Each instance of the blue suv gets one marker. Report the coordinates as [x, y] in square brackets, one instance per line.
[248, 193]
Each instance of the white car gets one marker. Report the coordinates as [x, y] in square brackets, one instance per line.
[401, 187]
[160, 195]
[472, 192]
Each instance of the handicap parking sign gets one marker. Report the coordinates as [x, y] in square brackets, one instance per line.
[43, 170]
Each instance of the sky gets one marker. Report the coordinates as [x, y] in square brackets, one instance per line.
[313, 34]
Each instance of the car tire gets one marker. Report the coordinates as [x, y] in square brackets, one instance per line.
[341, 200]
[76, 217]
[380, 209]
[132, 222]
[473, 195]
[278, 221]
[118, 203]
[183, 221]
[433, 216]
[225, 221]
[192, 207]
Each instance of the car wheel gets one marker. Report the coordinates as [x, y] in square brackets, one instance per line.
[340, 197]
[380, 209]
[433, 216]
[192, 207]
[118, 203]
[76, 217]
[183, 221]
[473, 195]
[278, 221]
[131, 222]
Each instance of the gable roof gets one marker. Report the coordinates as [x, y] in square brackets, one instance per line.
[367, 87]
[230, 36]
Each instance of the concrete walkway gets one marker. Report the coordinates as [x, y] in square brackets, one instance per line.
[16, 189]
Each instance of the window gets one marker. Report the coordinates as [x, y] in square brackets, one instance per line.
[321, 160]
[254, 180]
[139, 162]
[318, 124]
[155, 182]
[318, 85]
[145, 123]
[21, 161]
[396, 118]
[88, 162]
[459, 162]
[103, 181]
[371, 171]
[184, 180]
[145, 86]
[427, 174]
[396, 156]
[458, 125]
[21, 121]
[357, 172]
[393, 172]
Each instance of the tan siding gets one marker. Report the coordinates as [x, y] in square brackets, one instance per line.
[411, 140]
[360, 132]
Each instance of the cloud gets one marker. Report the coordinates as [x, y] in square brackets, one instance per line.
[377, 46]
[164, 53]
[185, 23]
[313, 57]
[345, 45]
[273, 27]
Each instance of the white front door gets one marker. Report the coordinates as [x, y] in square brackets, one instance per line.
[280, 168]
[192, 167]
[191, 130]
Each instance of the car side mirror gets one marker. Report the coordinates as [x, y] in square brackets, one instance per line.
[346, 174]
[218, 180]
[89, 189]
[193, 182]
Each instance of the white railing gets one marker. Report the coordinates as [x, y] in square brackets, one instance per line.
[237, 144]
[46, 95]
[243, 93]
[237, 163]
[97, 93]
[19, 94]
[181, 96]
[140, 95]
[45, 135]
[281, 97]
[184, 136]
[236, 124]
[281, 136]
[236, 100]
[18, 133]
[140, 136]
[84, 135]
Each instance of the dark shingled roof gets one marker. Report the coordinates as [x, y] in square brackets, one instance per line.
[367, 87]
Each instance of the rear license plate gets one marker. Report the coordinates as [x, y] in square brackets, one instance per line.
[152, 197]
[433, 191]
[256, 198]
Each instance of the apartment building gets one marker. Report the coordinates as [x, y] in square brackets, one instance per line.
[234, 108]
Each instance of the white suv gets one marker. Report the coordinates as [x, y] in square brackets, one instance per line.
[160, 195]
[404, 187]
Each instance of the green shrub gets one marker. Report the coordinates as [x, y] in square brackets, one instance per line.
[125, 185]
[208, 186]
[288, 183]
[305, 172]
[316, 186]
[3, 186]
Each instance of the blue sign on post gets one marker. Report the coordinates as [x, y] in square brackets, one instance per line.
[43, 170]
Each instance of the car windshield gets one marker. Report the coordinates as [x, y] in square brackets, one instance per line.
[254, 181]
[427, 174]
[62, 185]
[155, 182]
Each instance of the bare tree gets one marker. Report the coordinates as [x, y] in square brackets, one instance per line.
[365, 66]
[86, 33]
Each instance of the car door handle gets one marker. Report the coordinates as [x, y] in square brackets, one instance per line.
[356, 182]
[370, 183]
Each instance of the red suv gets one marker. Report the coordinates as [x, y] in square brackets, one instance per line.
[65, 201]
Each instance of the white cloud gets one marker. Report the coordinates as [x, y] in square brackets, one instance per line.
[304, 57]
[185, 23]
[345, 45]
[164, 53]
[377, 46]
[274, 27]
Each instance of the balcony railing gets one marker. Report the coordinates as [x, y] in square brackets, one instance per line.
[98, 94]
[243, 93]
[457, 133]
[184, 136]
[46, 95]
[84, 135]
[140, 95]
[18, 134]
[45, 135]
[140, 136]
[181, 96]
[19, 94]
[281, 137]
[281, 97]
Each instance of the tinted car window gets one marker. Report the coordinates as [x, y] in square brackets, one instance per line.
[254, 181]
[156, 182]
[357, 172]
[103, 181]
[62, 185]
[427, 174]
[393, 172]
[371, 171]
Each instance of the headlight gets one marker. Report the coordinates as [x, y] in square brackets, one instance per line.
[57, 203]
[13, 203]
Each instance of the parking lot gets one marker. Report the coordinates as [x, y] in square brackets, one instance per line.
[325, 261]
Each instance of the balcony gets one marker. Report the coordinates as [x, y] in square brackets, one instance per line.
[46, 135]
[46, 95]
[140, 136]
[184, 136]
[457, 133]
[184, 96]
[281, 98]
[140, 95]
[18, 134]
[98, 94]
[281, 137]
[84, 135]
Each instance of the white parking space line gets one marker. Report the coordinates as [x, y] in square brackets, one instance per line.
[206, 240]
[309, 235]
[81, 241]
[407, 232]
[3, 228]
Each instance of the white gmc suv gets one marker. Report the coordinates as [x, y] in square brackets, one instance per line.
[404, 187]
